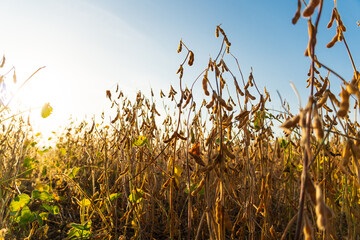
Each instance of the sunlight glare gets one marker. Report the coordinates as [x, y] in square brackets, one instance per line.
[40, 90]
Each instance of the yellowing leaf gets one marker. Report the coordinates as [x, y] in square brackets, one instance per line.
[63, 151]
[19, 202]
[114, 196]
[85, 202]
[42, 187]
[136, 195]
[178, 171]
[140, 141]
[46, 110]
[73, 172]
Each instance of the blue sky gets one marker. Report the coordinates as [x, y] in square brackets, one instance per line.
[89, 46]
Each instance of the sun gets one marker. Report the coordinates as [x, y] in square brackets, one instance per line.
[39, 100]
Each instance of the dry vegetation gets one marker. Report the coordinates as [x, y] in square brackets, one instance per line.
[223, 176]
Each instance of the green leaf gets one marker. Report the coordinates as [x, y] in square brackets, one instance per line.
[259, 119]
[85, 202]
[192, 136]
[73, 172]
[193, 187]
[42, 187]
[63, 151]
[51, 209]
[19, 202]
[114, 196]
[44, 215]
[44, 196]
[28, 162]
[140, 141]
[45, 150]
[81, 231]
[83, 227]
[218, 140]
[44, 171]
[283, 143]
[136, 196]
[26, 216]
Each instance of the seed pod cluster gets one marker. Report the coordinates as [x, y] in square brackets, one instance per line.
[317, 125]
[337, 37]
[242, 115]
[238, 90]
[260, 104]
[334, 99]
[180, 47]
[323, 88]
[310, 189]
[218, 211]
[228, 152]
[121, 94]
[108, 94]
[116, 118]
[223, 66]
[211, 103]
[352, 88]
[303, 121]
[92, 128]
[297, 14]
[165, 185]
[308, 230]
[181, 71]
[222, 82]
[243, 118]
[191, 58]
[344, 104]
[312, 38]
[217, 32]
[290, 123]
[323, 212]
[198, 188]
[195, 153]
[332, 18]
[309, 10]
[323, 99]
[247, 96]
[210, 65]
[339, 29]
[188, 98]
[212, 134]
[267, 95]
[224, 104]
[14, 77]
[204, 84]
[2, 62]
[227, 120]
[226, 40]
[346, 154]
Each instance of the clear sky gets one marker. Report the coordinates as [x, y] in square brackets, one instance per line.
[89, 46]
